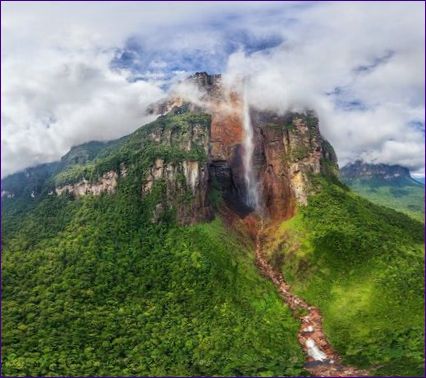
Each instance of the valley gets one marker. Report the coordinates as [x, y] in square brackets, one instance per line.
[321, 359]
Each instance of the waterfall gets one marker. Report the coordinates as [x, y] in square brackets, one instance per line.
[252, 195]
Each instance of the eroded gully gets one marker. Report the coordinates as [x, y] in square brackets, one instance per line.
[320, 358]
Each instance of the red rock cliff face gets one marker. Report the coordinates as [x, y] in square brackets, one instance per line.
[226, 136]
[277, 196]
[226, 128]
[288, 150]
[226, 151]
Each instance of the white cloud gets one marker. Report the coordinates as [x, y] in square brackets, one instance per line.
[59, 101]
[58, 88]
[322, 54]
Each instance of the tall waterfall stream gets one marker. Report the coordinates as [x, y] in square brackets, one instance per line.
[252, 194]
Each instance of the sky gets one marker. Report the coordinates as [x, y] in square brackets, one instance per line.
[73, 72]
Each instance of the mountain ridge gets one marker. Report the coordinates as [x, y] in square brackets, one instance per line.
[368, 171]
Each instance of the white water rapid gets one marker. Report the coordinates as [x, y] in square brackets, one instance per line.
[252, 196]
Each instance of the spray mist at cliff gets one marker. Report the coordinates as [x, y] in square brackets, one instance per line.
[252, 192]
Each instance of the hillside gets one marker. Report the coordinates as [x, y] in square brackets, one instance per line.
[138, 256]
[93, 287]
[390, 186]
[113, 295]
[362, 265]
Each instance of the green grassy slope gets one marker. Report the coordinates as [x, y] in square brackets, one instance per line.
[362, 264]
[92, 287]
[406, 198]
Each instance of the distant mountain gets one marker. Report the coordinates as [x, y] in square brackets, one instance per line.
[387, 185]
[421, 180]
[383, 173]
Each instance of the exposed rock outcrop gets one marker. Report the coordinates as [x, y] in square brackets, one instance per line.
[208, 90]
[210, 85]
[186, 188]
[226, 151]
[7, 194]
[186, 180]
[289, 149]
[106, 184]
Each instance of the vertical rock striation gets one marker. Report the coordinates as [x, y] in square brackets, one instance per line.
[285, 150]
[289, 150]
[185, 178]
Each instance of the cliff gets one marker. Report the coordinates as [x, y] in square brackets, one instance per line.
[194, 153]
[287, 151]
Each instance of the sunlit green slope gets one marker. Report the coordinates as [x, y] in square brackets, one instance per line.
[362, 264]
